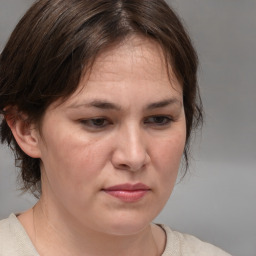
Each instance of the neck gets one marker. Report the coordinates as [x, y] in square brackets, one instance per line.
[58, 235]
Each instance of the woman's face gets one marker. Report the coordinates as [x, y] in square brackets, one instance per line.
[111, 152]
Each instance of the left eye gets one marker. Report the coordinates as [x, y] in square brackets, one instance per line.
[158, 120]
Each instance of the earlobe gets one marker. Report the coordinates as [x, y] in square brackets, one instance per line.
[25, 134]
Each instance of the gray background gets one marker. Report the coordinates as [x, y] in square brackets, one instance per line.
[216, 200]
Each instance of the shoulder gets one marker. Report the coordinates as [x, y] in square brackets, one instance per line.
[14, 240]
[187, 245]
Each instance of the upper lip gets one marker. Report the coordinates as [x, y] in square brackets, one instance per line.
[127, 187]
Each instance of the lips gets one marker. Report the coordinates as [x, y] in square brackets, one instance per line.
[128, 192]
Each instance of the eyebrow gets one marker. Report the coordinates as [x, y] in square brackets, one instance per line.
[106, 105]
[163, 103]
[101, 104]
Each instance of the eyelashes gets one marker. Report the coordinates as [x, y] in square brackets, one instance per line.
[97, 123]
[101, 123]
[158, 120]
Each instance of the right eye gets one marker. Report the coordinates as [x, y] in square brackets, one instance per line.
[95, 123]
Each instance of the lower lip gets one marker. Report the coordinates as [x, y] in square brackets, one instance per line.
[128, 196]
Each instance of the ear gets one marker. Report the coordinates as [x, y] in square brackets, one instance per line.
[25, 134]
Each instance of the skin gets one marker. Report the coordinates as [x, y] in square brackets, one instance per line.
[86, 146]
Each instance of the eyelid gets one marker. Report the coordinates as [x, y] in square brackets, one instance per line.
[151, 121]
[89, 122]
[168, 120]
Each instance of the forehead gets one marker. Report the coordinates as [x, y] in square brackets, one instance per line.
[135, 55]
[136, 64]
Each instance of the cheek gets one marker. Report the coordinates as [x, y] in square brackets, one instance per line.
[166, 158]
[73, 160]
[169, 151]
[74, 169]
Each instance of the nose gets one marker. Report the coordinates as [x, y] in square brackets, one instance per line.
[130, 152]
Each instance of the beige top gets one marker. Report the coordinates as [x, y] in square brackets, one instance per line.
[14, 241]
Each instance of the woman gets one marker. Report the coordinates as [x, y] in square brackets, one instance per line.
[99, 98]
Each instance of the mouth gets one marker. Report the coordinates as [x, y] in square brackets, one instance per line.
[128, 192]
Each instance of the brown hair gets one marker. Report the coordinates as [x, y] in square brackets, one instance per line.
[57, 40]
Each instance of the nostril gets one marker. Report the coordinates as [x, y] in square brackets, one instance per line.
[132, 167]
[133, 157]
[124, 166]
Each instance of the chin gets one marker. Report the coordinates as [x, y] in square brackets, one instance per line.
[125, 226]
[128, 230]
